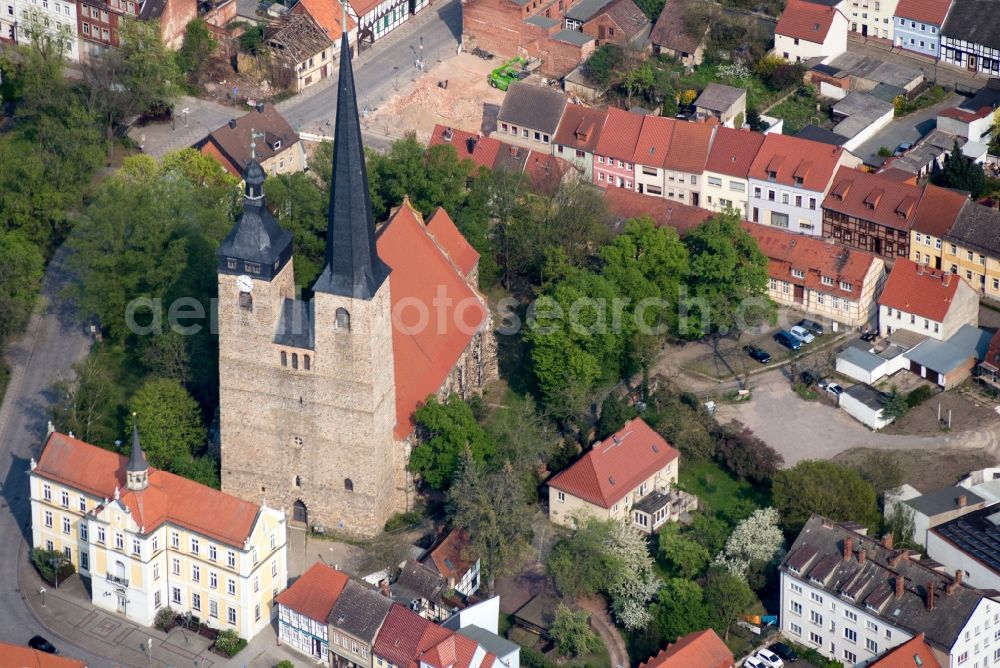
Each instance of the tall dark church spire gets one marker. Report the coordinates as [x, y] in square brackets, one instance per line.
[353, 268]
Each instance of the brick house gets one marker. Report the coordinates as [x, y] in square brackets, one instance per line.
[670, 37]
[618, 22]
[279, 151]
[173, 17]
[98, 22]
[926, 301]
[699, 649]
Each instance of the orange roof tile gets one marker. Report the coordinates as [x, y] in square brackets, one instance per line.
[919, 289]
[613, 467]
[926, 11]
[689, 146]
[16, 656]
[399, 638]
[733, 151]
[938, 209]
[545, 171]
[314, 594]
[626, 204]
[619, 134]
[426, 290]
[169, 498]
[580, 127]
[481, 150]
[448, 556]
[653, 143]
[897, 174]
[795, 158]
[806, 20]
[873, 197]
[905, 656]
[459, 251]
[700, 649]
[815, 258]
[327, 15]
[966, 115]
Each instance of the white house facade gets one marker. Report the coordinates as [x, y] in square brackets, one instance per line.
[53, 16]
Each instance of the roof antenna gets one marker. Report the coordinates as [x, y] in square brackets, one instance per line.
[254, 136]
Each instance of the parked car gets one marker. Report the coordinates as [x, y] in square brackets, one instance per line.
[802, 334]
[770, 659]
[787, 340]
[816, 328]
[870, 335]
[42, 645]
[834, 389]
[902, 149]
[758, 354]
[809, 377]
[754, 662]
[785, 652]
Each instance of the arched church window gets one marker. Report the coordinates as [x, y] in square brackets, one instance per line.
[348, 484]
[246, 301]
[343, 319]
[284, 358]
[295, 360]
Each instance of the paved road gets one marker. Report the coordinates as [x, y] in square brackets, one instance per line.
[906, 129]
[378, 71]
[54, 341]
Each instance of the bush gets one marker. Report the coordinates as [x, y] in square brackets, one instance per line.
[885, 152]
[284, 664]
[165, 618]
[403, 520]
[229, 643]
[919, 396]
[532, 658]
[46, 562]
[745, 455]
[785, 76]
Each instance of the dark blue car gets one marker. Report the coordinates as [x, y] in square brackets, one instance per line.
[786, 339]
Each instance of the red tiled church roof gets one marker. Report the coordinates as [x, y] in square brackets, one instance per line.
[615, 466]
[459, 251]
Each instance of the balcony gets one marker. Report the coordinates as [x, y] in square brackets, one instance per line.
[117, 580]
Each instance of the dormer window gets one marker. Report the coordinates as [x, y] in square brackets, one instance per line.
[844, 285]
[798, 180]
[827, 280]
[798, 273]
[277, 144]
[772, 175]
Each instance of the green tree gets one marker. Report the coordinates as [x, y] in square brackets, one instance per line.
[524, 439]
[196, 49]
[430, 177]
[882, 470]
[679, 609]
[579, 563]
[572, 633]
[615, 412]
[199, 169]
[165, 354]
[708, 531]
[602, 65]
[894, 404]
[300, 206]
[494, 513]
[169, 421]
[961, 173]
[727, 597]
[86, 402]
[681, 555]
[823, 488]
[21, 270]
[446, 430]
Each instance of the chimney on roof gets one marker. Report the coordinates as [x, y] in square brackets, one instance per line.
[930, 594]
[962, 500]
[384, 588]
[260, 107]
[470, 144]
[232, 123]
[900, 585]
[848, 548]
[862, 556]
[887, 541]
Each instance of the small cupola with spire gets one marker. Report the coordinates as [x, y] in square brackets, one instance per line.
[137, 470]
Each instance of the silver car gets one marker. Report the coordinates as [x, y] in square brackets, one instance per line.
[802, 334]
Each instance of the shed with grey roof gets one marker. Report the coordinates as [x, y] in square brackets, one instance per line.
[866, 405]
[573, 37]
[543, 22]
[585, 10]
[949, 362]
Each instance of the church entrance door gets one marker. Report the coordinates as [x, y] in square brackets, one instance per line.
[300, 515]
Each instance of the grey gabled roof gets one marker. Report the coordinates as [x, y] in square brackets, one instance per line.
[359, 611]
[543, 22]
[719, 97]
[942, 501]
[585, 10]
[420, 580]
[968, 20]
[944, 356]
[861, 358]
[822, 135]
[491, 642]
[533, 106]
[573, 37]
[353, 267]
[977, 227]
[256, 237]
[869, 396]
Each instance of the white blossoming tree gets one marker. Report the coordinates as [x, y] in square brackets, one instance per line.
[633, 584]
[758, 538]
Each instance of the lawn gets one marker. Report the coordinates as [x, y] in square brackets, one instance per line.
[758, 95]
[718, 491]
[799, 110]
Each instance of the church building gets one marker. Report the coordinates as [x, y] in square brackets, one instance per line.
[317, 397]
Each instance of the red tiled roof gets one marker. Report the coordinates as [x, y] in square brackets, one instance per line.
[545, 171]
[16, 656]
[805, 20]
[926, 11]
[399, 638]
[459, 251]
[993, 352]
[701, 649]
[653, 144]
[626, 204]
[965, 115]
[619, 134]
[423, 275]
[670, 30]
[899, 175]
[793, 157]
[448, 556]
[733, 151]
[580, 127]
[815, 258]
[168, 497]
[937, 211]
[327, 16]
[905, 656]
[919, 289]
[689, 146]
[481, 150]
[873, 197]
[362, 7]
[314, 594]
[615, 466]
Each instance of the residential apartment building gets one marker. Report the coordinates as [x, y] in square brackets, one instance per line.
[917, 25]
[615, 150]
[725, 183]
[809, 30]
[971, 248]
[576, 137]
[823, 279]
[970, 42]
[669, 158]
[936, 213]
[851, 598]
[55, 17]
[926, 301]
[304, 607]
[870, 212]
[631, 476]
[788, 180]
[871, 18]
[148, 539]
[354, 621]
[530, 116]
[966, 546]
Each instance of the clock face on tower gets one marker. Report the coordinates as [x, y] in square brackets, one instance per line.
[244, 283]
